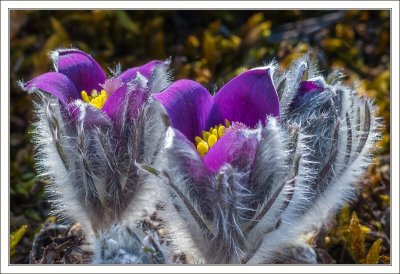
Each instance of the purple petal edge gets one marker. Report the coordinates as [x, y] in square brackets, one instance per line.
[235, 148]
[310, 86]
[146, 70]
[80, 67]
[88, 114]
[122, 100]
[188, 105]
[248, 98]
[54, 83]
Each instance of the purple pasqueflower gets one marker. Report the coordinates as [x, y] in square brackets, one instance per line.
[293, 149]
[233, 124]
[78, 76]
[218, 125]
[90, 133]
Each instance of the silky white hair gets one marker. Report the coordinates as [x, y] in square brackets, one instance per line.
[90, 162]
[111, 178]
[308, 164]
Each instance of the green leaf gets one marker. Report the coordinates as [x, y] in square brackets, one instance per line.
[33, 215]
[151, 170]
[16, 237]
[27, 176]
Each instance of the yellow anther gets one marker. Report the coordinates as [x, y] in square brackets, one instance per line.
[99, 102]
[215, 132]
[198, 140]
[85, 97]
[212, 140]
[221, 131]
[96, 99]
[206, 134]
[95, 102]
[202, 147]
[210, 137]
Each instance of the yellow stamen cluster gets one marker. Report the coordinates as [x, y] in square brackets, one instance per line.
[210, 137]
[95, 99]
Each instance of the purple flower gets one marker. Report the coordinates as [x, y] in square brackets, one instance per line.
[219, 125]
[90, 133]
[78, 76]
[210, 155]
[284, 161]
[307, 89]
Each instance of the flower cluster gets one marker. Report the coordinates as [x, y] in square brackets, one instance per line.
[88, 145]
[238, 177]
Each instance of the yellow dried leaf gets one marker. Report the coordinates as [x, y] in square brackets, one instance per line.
[333, 43]
[385, 259]
[59, 38]
[240, 70]
[290, 58]
[157, 45]
[214, 26]
[236, 41]
[385, 199]
[373, 253]
[209, 49]
[356, 240]
[126, 22]
[365, 229]
[344, 216]
[59, 29]
[16, 237]
[265, 29]
[302, 47]
[192, 41]
[255, 20]
[51, 219]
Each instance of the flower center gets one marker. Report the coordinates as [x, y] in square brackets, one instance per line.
[210, 137]
[95, 99]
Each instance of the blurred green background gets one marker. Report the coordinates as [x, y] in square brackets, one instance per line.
[210, 47]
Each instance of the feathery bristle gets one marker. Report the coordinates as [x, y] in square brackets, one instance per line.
[128, 245]
[110, 175]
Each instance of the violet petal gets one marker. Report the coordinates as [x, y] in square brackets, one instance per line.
[89, 115]
[146, 70]
[236, 147]
[125, 100]
[188, 105]
[311, 86]
[111, 85]
[307, 89]
[54, 83]
[248, 98]
[81, 68]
